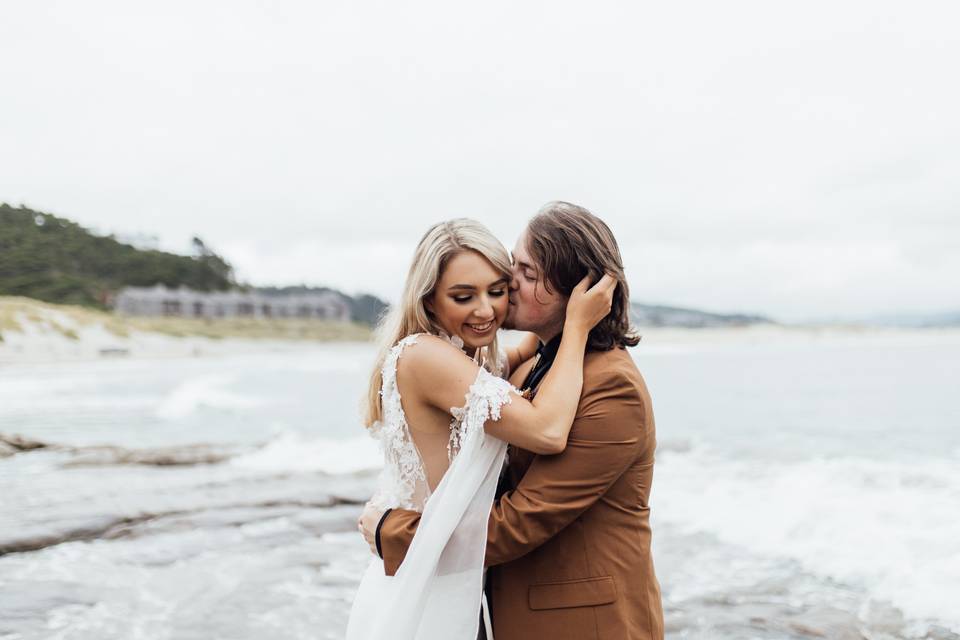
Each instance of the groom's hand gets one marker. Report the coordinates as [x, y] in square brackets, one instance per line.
[367, 524]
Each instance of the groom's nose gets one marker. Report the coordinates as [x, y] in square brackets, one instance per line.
[514, 285]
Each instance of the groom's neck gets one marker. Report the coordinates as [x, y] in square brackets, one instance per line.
[549, 332]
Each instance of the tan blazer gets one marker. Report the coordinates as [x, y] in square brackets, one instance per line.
[569, 547]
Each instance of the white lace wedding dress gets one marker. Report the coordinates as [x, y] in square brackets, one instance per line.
[437, 592]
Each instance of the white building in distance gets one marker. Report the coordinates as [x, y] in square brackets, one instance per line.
[159, 300]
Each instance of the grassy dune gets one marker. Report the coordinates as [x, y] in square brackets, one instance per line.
[63, 319]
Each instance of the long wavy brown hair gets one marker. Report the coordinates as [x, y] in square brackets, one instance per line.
[568, 242]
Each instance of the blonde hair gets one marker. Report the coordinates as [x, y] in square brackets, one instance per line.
[438, 246]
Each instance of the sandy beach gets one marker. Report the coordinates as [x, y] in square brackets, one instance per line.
[34, 331]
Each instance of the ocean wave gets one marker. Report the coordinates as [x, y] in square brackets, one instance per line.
[892, 528]
[287, 451]
[291, 451]
[204, 391]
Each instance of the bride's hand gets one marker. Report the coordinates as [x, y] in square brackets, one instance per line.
[589, 305]
[367, 523]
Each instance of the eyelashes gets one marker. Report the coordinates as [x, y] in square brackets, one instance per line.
[496, 294]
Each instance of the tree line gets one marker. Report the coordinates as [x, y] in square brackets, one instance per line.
[54, 259]
[49, 258]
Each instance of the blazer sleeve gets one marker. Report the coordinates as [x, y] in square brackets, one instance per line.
[396, 534]
[607, 436]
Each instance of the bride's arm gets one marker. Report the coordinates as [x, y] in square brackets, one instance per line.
[439, 375]
[522, 352]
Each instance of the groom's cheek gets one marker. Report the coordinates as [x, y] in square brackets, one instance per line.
[508, 320]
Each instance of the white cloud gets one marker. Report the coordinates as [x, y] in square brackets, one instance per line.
[785, 159]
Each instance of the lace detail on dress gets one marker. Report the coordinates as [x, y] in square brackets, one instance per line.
[403, 481]
[483, 401]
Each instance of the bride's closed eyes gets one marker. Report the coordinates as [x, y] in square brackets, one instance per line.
[463, 293]
[496, 293]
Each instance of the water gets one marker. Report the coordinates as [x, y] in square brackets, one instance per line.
[805, 487]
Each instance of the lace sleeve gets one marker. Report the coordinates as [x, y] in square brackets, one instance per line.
[484, 399]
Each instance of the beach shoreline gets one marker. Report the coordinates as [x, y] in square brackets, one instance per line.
[33, 332]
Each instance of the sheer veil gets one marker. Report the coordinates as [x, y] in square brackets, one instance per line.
[436, 594]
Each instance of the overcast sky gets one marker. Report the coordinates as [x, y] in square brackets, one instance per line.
[795, 159]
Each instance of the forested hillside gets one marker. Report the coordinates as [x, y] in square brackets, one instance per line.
[49, 258]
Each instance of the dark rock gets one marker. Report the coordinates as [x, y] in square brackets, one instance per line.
[19, 443]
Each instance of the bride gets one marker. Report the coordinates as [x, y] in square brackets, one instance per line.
[445, 442]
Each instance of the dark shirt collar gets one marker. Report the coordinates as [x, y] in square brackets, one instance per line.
[547, 353]
[549, 349]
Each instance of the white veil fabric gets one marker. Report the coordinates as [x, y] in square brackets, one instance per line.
[436, 593]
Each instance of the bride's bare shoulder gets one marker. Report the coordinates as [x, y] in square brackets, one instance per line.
[431, 354]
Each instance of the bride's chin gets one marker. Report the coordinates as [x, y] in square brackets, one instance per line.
[475, 342]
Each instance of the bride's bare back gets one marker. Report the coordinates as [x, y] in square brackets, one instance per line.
[430, 431]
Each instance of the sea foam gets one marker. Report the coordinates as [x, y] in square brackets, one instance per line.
[889, 527]
[204, 391]
[292, 451]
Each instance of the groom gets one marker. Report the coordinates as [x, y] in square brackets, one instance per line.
[568, 540]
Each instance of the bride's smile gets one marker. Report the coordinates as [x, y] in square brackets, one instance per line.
[481, 329]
